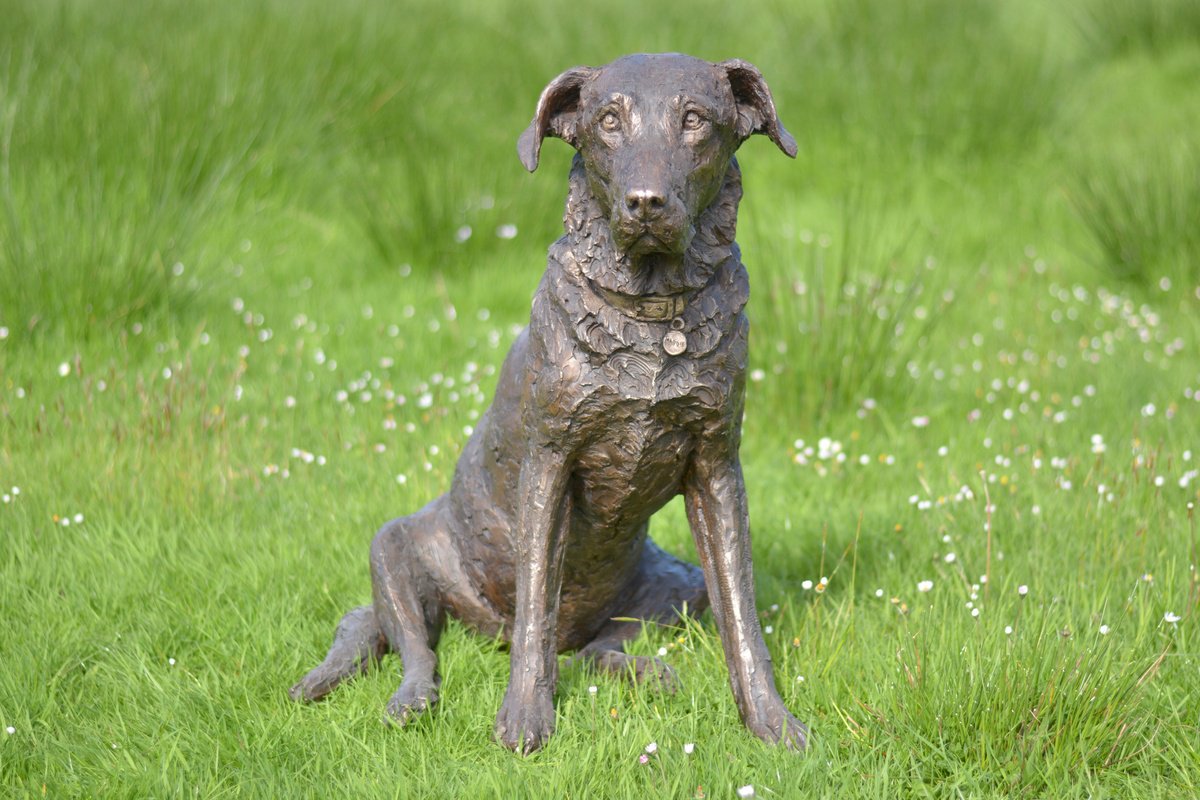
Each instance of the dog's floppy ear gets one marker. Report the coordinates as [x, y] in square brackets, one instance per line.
[555, 115]
[756, 109]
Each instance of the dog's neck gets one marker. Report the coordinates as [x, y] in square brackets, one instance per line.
[590, 240]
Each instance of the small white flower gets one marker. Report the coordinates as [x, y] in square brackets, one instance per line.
[689, 747]
[78, 519]
[171, 661]
[508, 231]
[462, 234]
[949, 558]
[662, 651]
[64, 369]
[10, 730]
[1171, 617]
[768, 630]
[1022, 590]
[745, 791]
[924, 586]
[593, 689]
[1104, 630]
[879, 592]
[1008, 630]
[806, 585]
[652, 748]
[974, 612]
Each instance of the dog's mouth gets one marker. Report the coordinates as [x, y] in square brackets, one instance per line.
[641, 239]
[648, 243]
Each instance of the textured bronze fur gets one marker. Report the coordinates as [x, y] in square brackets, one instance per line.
[542, 538]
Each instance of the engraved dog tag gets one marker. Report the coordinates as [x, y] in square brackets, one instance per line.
[675, 342]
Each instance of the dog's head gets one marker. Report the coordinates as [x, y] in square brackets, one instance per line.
[656, 134]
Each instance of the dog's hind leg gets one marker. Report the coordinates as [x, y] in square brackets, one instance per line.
[664, 587]
[358, 643]
[408, 608]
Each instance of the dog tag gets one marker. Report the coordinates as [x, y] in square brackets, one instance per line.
[675, 342]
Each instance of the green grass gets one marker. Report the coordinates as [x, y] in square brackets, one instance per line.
[234, 312]
[1142, 214]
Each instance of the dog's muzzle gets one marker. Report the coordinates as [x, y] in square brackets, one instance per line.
[649, 221]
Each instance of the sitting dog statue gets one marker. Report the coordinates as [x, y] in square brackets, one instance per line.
[626, 390]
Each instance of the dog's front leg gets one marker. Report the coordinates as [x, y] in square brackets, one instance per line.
[526, 717]
[715, 496]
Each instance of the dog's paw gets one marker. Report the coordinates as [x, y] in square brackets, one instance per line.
[524, 724]
[316, 684]
[306, 691]
[654, 673]
[412, 699]
[651, 673]
[776, 725]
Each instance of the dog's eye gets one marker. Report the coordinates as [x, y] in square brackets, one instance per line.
[692, 121]
[610, 122]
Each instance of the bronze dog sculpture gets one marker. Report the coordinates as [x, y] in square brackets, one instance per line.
[626, 390]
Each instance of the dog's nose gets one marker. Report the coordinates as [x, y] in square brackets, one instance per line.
[644, 202]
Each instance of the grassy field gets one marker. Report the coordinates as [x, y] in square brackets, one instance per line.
[259, 263]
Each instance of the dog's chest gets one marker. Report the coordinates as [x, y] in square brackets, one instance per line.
[641, 368]
[664, 390]
[670, 387]
[631, 454]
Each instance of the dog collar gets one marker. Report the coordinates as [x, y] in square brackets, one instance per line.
[647, 307]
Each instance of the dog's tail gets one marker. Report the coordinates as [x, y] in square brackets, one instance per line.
[358, 644]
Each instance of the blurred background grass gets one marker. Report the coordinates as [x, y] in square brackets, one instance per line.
[130, 148]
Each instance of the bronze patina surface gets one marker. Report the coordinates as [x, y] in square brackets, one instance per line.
[626, 390]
